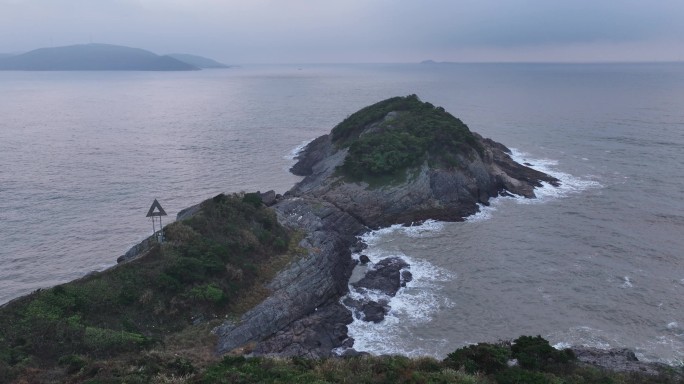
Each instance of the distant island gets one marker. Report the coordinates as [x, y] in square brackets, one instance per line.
[198, 61]
[102, 57]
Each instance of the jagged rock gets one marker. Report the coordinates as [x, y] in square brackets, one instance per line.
[374, 311]
[312, 336]
[188, 212]
[302, 316]
[428, 193]
[363, 259]
[368, 310]
[313, 153]
[268, 198]
[384, 277]
[618, 360]
[317, 280]
[406, 277]
[138, 250]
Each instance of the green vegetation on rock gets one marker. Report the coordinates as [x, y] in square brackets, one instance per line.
[388, 137]
[211, 265]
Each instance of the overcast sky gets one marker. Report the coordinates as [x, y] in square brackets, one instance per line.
[344, 31]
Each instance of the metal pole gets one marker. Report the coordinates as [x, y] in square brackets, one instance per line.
[161, 231]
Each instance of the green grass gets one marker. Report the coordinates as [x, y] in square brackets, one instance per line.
[418, 132]
[476, 364]
[209, 267]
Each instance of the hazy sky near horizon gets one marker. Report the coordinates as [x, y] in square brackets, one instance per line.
[343, 31]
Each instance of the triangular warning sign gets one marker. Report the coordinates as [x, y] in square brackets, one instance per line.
[156, 210]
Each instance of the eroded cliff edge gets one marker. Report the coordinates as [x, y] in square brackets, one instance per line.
[398, 161]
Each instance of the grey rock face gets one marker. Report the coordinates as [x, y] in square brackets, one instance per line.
[427, 193]
[368, 310]
[138, 250]
[619, 360]
[302, 316]
[309, 285]
[313, 336]
[268, 198]
[384, 277]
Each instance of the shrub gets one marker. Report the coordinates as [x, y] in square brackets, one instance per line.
[418, 132]
[483, 357]
[102, 340]
[211, 293]
[252, 198]
[536, 353]
[72, 363]
[520, 376]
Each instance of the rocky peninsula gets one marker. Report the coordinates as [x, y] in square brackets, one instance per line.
[400, 161]
[265, 275]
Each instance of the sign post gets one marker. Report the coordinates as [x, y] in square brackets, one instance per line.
[155, 211]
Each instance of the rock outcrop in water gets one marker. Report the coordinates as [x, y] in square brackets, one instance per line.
[445, 182]
[398, 161]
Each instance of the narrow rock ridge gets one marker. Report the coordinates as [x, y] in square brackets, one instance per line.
[302, 314]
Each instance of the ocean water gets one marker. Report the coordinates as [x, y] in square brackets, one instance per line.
[598, 261]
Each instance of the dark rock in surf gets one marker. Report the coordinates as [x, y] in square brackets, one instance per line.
[374, 311]
[384, 277]
[406, 277]
[368, 310]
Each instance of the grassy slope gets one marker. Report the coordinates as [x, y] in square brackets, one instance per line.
[212, 266]
[417, 132]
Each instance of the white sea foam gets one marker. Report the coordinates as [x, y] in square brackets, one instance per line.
[485, 213]
[428, 228]
[297, 150]
[569, 184]
[668, 342]
[627, 282]
[562, 345]
[584, 336]
[412, 306]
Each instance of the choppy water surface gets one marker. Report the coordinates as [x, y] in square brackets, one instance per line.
[598, 261]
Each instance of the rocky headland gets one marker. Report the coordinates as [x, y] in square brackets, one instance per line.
[383, 165]
[341, 197]
[265, 275]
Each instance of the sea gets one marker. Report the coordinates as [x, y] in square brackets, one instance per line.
[598, 261]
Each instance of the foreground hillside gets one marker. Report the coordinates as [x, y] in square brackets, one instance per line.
[211, 267]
